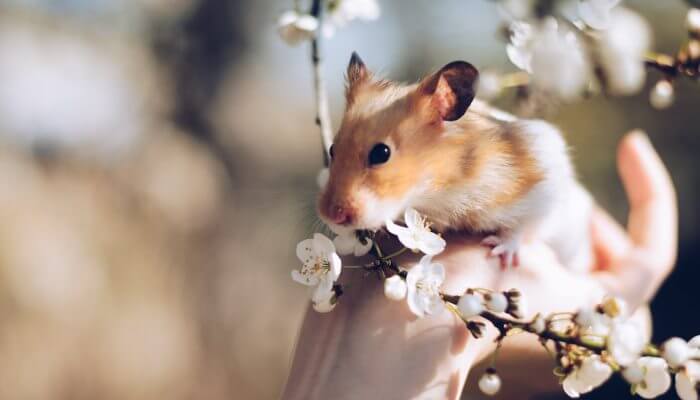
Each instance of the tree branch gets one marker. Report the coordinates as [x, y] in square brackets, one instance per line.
[323, 119]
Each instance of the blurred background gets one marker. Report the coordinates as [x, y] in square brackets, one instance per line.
[158, 162]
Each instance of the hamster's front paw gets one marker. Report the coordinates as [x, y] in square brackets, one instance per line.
[505, 247]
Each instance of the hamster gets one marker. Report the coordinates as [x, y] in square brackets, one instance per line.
[463, 165]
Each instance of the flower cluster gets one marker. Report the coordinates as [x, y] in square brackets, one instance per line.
[598, 46]
[589, 345]
[562, 56]
[296, 27]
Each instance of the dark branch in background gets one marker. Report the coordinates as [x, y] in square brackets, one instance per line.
[323, 118]
[687, 63]
[198, 51]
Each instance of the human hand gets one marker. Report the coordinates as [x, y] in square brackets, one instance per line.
[370, 347]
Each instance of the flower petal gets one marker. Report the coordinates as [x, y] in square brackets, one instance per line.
[307, 281]
[403, 234]
[323, 245]
[412, 219]
[394, 228]
[436, 273]
[571, 386]
[305, 251]
[685, 387]
[595, 16]
[414, 274]
[594, 372]
[323, 291]
[435, 306]
[431, 243]
[287, 18]
[657, 380]
[336, 266]
[414, 301]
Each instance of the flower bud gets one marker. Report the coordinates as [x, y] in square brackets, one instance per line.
[517, 307]
[496, 302]
[326, 305]
[675, 351]
[539, 324]
[470, 305]
[490, 382]
[662, 96]
[633, 373]
[395, 288]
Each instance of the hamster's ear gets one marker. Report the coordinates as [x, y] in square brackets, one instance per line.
[356, 75]
[451, 89]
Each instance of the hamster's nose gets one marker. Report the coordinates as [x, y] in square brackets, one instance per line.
[341, 215]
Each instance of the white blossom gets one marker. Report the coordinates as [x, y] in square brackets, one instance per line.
[423, 281]
[649, 375]
[518, 47]
[676, 351]
[295, 28]
[622, 49]
[596, 13]
[341, 12]
[634, 373]
[490, 383]
[693, 20]
[496, 302]
[553, 54]
[539, 325]
[687, 381]
[470, 305]
[321, 267]
[559, 63]
[591, 322]
[417, 234]
[395, 288]
[661, 95]
[592, 373]
[625, 341]
[348, 243]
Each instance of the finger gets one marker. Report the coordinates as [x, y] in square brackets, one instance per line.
[635, 280]
[653, 220]
[610, 241]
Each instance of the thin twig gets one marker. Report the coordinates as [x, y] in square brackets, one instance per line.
[662, 62]
[323, 118]
[504, 323]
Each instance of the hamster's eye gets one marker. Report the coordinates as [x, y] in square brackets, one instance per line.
[379, 154]
[331, 151]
